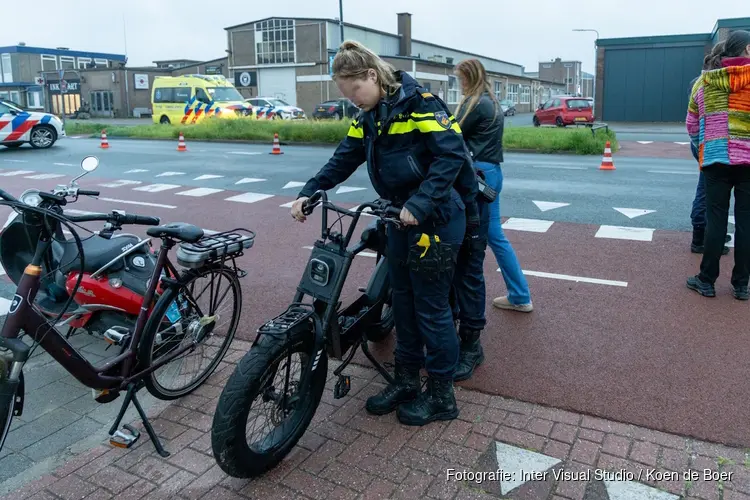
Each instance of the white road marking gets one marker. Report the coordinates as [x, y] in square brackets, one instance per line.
[632, 213]
[2, 271]
[17, 161]
[242, 153]
[209, 231]
[16, 172]
[531, 225]
[645, 142]
[249, 197]
[77, 212]
[682, 143]
[44, 176]
[4, 306]
[135, 171]
[155, 188]
[65, 164]
[248, 179]
[200, 192]
[347, 189]
[120, 183]
[170, 174]
[549, 205]
[363, 253]
[365, 211]
[577, 279]
[625, 233]
[731, 219]
[206, 177]
[293, 184]
[519, 462]
[144, 203]
[675, 172]
[558, 167]
[287, 205]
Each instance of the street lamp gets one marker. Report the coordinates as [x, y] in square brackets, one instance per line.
[593, 85]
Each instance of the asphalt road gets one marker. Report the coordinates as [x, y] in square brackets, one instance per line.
[660, 187]
[615, 333]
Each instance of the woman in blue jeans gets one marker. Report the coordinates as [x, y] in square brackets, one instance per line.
[481, 123]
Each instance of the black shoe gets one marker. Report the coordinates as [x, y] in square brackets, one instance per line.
[437, 402]
[741, 292]
[471, 354]
[696, 246]
[405, 389]
[703, 288]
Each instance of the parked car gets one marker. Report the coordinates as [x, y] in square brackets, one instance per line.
[18, 126]
[508, 107]
[278, 108]
[564, 110]
[336, 109]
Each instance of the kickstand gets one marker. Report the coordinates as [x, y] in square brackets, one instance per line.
[365, 349]
[123, 440]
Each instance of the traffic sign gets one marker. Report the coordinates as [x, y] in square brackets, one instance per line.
[61, 73]
[63, 86]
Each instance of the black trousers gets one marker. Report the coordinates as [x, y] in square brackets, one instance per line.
[720, 180]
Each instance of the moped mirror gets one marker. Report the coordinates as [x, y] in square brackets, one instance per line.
[90, 163]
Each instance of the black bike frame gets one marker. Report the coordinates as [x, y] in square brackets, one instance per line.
[22, 316]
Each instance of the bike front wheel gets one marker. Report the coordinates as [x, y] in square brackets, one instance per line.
[267, 374]
[8, 394]
[205, 311]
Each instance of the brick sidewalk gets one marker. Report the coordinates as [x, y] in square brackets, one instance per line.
[348, 454]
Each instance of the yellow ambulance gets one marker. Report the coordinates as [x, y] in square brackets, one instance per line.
[189, 99]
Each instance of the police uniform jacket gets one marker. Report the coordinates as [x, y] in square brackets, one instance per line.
[415, 154]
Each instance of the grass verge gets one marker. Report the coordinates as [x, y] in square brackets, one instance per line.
[541, 140]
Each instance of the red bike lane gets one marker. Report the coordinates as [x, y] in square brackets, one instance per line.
[650, 353]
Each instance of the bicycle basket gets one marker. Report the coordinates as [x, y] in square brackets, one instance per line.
[215, 247]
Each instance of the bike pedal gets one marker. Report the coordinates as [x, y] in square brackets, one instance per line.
[343, 385]
[122, 440]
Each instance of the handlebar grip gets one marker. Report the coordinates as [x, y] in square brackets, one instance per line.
[393, 212]
[141, 220]
[312, 200]
[86, 192]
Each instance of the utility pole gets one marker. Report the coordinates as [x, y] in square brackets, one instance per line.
[593, 87]
[341, 19]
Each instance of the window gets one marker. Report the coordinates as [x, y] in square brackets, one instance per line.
[578, 103]
[499, 90]
[49, 63]
[34, 99]
[67, 62]
[3, 108]
[546, 66]
[7, 71]
[525, 94]
[513, 93]
[274, 41]
[453, 94]
[102, 101]
[172, 94]
[15, 97]
[83, 62]
[101, 63]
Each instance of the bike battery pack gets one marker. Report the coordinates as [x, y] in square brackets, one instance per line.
[324, 273]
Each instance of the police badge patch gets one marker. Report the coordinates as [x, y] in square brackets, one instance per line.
[442, 119]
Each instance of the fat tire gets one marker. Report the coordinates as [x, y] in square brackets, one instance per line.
[228, 431]
[145, 349]
[7, 404]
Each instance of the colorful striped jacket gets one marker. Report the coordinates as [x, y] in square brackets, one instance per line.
[718, 117]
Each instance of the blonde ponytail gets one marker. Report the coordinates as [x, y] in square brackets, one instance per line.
[354, 60]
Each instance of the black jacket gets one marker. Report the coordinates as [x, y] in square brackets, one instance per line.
[414, 151]
[483, 137]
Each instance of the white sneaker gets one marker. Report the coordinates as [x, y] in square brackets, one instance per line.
[504, 303]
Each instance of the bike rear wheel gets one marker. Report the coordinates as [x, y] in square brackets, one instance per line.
[176, 322]
[259, 374]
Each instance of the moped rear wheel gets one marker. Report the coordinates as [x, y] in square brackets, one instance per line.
[261, 378]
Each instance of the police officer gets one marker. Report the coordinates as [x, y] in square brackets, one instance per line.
[416, 158]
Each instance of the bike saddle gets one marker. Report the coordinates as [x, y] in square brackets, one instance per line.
[178, 230]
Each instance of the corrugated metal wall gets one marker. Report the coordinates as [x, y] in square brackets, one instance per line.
[649, 84]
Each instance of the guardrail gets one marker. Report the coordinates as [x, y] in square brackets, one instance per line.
[594, 126]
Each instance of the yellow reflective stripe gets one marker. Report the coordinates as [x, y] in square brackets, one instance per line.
[356, 132]
[424, 127]
[423, 115]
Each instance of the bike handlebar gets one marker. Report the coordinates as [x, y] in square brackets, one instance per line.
[7, 196]
[381, 208]
[117, 218]
[86, 192]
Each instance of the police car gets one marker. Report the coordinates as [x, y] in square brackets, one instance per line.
[18, 126]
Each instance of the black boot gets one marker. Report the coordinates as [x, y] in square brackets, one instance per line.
[471, 354]
[405, 389]
[437, 402]
[696, 246]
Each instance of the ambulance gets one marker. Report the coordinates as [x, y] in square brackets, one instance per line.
[190, 99]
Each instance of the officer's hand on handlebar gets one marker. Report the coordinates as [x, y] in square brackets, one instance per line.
[297, 209]
[407, 217]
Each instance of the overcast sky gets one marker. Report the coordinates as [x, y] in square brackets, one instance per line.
[518, 31]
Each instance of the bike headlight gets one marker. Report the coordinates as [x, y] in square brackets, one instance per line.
[320, 273]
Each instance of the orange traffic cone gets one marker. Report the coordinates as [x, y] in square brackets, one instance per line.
[105, 143]
[276, 147]
[607, 163]
[181, 144]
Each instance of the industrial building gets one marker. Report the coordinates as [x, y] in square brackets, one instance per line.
[647, 79]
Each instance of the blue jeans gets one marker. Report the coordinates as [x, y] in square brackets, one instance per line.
[421, 290]
[515, 281]
[698, 214]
